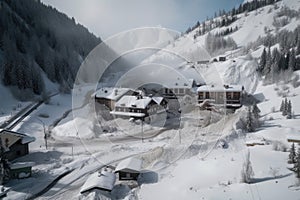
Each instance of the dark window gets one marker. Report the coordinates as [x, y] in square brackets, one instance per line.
[229, 95]
[236, 95]
[207, 95]
[6, 142]
[200, 95]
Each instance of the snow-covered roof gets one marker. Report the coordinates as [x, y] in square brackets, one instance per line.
[219, 88]
[104, 180]
[185, 84]
[293, 137]
[131, 165]
[130, 114]
[27, 139]
[19, 165]
[3, 190]
[134, 102]
[158, 100]
[111, 93]
[24, 137]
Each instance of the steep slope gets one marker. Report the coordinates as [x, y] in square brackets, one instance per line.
[245, 30]
[37, 39]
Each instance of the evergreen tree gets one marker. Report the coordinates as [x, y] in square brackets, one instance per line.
[249, 121]
[292, 60]
[297, 164]
[275, 60]
[267, 68]
[289, 110]
[263, 59]
[298, 46]
[282, 106]
[284, 112]
[292, 155]
[255, 111]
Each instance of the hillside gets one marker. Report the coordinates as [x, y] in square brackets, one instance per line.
[39, 45]
[206, 155]
[272, 26]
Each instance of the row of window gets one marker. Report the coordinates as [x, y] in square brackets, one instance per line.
[213, 95]
[152, 109]
[175, 91]
[135, 110]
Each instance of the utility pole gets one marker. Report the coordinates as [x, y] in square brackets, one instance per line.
[45, 134]
[142, 131]
[179, 135]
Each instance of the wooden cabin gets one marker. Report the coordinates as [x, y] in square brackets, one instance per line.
[202, 61]
[226, 95]
[294, 137]
[15, 144]
[109, 96]
[21, 170]
[139, 106]
[103, 180]
[129, 169]
[222, 58]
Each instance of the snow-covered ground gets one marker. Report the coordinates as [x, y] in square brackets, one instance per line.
[218, 175]
[196, 161]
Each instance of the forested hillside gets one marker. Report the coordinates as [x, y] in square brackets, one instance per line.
[35, 38]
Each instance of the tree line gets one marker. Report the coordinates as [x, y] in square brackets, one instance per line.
[273, 63]
[36, 39]
[223, 18]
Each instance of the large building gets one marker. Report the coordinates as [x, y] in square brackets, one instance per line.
[139, 106]
[180, 89]
[109, 96]
[226, 95]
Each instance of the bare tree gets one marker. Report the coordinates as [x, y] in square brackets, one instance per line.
[247, 171]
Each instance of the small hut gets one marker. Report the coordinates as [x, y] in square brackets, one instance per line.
[129, 169]
[21, 170]
[104, 180]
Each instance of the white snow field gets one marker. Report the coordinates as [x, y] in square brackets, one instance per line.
[199, 160]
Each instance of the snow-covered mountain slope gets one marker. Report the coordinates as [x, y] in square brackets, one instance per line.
[204, 157]
[241, 70]
[216, 174]
[251, 26]
[38, 40]
[238, 69]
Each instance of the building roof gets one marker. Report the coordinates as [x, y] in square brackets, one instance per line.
[190, 83]
[158, 100]
[3, 191]
[130, 165]
[19, 165]
[24, 137]
[111, 93]
[293, 137]
[219, 88]
[101, 180]
[130, 114]
[134, 102]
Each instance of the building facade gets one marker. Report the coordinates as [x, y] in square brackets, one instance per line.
[226, 95]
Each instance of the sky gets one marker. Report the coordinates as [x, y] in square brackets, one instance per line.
[108, 17]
